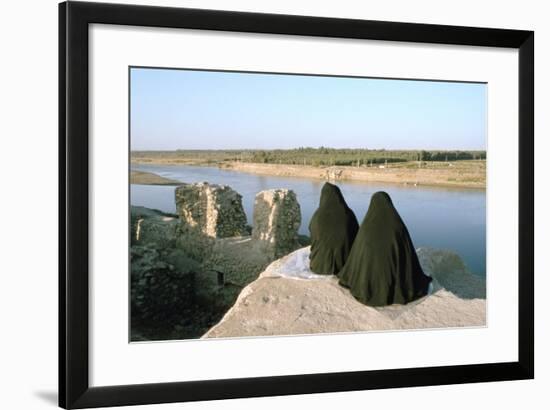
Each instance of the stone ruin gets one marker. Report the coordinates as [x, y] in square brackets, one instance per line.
[212, 216]
[277, 219]
[207, 254]
[215, 211]
[152, 227]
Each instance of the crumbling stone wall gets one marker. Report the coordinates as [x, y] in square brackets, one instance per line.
[199, 261]
[152, 227]
[215, 211]
[277, 219]
[158, 289]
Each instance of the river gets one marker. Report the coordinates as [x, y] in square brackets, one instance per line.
[444, 218]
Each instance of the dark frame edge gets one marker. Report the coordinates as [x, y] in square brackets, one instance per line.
[62, 323]
[73, 198]
[298, 384]
[288, 24]
[526, 217]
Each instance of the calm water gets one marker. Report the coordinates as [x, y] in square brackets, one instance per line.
[436, 217]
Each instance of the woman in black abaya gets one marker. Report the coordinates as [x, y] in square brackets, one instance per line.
[383, 268]
[332, 230]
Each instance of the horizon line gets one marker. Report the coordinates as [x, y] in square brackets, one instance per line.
[316, 148]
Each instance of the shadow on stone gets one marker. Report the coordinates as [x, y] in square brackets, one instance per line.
[277, 218]
[450, 272]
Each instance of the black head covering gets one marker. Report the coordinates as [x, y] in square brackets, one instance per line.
[332, 229]
[383, 268]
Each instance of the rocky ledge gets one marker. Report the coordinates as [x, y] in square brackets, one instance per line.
[289, 299]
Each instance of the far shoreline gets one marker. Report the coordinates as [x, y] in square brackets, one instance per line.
[457, 174]
[150, 178]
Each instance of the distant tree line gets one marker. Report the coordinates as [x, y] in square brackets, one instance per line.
[355, 157]
[321, 156]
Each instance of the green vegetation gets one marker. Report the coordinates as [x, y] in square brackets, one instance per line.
[309, 156]
[331, 156]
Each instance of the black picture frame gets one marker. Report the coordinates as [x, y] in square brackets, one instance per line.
[74, 388]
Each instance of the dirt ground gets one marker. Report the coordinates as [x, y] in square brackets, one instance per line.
[459, 174]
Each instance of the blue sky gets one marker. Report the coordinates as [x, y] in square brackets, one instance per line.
[186, 109]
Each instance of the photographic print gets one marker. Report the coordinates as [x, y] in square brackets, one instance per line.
[289, 183]
[275, 204]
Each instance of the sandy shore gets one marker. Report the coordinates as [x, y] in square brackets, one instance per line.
[148, 178]
[459, 174]
[464, 174]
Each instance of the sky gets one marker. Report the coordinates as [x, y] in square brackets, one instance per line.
[189, 109]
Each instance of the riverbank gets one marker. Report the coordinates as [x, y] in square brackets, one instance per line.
[149, 178]
[463, 174]
[458, 174]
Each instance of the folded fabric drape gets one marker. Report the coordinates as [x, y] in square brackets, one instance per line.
[383, 267]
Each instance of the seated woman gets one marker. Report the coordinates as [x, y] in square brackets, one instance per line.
[332, 230]
[383, 268]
